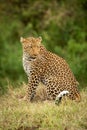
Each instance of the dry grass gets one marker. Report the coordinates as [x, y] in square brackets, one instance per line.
[16, 114]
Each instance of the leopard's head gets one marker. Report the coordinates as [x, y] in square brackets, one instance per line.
[31, 46]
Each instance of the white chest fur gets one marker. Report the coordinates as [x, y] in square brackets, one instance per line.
[26, 65]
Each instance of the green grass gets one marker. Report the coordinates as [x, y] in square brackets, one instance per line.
[16, 114]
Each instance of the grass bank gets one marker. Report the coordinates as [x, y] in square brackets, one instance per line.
[16, 114]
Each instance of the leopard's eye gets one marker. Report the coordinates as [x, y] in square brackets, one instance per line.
[30, 46]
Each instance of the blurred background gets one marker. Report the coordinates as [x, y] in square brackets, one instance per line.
[62, 25]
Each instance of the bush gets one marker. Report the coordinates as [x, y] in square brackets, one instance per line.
[63, 31]
[77, 57]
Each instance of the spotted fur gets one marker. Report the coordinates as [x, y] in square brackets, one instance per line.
[43, 66]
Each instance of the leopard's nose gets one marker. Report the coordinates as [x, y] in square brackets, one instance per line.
[34, 55]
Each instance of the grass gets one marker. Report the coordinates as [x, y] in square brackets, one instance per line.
[16, 114]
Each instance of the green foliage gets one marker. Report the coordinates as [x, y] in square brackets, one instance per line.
[62, 25]
[77, 57]
[11, 55]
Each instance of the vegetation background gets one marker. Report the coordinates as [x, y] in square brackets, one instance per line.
[62, 25]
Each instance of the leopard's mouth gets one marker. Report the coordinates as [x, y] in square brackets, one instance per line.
[32, 57]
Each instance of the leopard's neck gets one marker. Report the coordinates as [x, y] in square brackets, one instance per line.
[26, 63]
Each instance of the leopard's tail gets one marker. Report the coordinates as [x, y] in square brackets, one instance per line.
[65, 93]
[60, 95]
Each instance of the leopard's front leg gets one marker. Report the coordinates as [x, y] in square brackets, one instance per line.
[33, 83]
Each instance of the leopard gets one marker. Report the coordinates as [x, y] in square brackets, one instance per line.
[42, 65]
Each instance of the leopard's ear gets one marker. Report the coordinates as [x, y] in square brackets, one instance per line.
[40, 38]
[21, 39]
